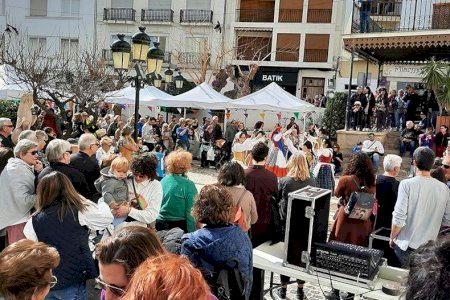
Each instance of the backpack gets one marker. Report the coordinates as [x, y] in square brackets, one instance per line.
[360, 204]
[226, 281]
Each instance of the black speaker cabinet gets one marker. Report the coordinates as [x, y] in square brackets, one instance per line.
[306, 224]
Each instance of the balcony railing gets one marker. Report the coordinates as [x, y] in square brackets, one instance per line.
[254, 15]
[196, 16]
[157, 15]
[290, 16]
[316, 55]
[287, 55]
[396, 15]
[319, 15]
[119, 14]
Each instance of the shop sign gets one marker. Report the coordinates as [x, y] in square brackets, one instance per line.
[403, 71]
[282, 76]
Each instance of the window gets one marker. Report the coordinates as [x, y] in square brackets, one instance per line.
[196, 44]
[288, 45]
[70, 7]
[69, 47]
[198, 4]
[312, 87]
[122, 3]
[2, 7]
[159, 4]
[316, 48]
[37, 44]
[38, 7]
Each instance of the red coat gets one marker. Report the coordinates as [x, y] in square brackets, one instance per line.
[49, 121]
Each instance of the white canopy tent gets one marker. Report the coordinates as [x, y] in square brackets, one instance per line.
[202, 96]
[127, 95]
[273, 98]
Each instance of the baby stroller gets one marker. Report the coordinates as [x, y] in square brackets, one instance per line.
[221, 153]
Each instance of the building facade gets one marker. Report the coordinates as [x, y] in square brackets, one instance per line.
[395, 38]
[294, 42]
[58, 26]
[184, 29]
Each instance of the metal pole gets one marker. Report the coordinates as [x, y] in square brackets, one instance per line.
[137, 83]
[347, 111]
[184, 113]
[379, 73]
[367, 73]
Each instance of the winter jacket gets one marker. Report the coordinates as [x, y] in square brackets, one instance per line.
[17, 192]
[219, 244]
[75, 176]
[113, 190]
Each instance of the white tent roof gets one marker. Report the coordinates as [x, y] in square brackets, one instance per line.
[273, 98]
[202, 96]
[127, 95]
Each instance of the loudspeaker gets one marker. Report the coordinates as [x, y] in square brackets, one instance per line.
[306, 224]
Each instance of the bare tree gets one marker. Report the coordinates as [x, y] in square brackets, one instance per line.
[59, 78]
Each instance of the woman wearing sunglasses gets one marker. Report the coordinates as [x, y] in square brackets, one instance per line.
[17, 189]
[120, 255]
[26, 270]
[62, 220]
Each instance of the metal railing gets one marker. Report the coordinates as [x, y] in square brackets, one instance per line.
[196, 16]
[157, 15]
[287, 55]
[316, 55]
[255, 15]
[396, 15]
[319, 15]
[119, 14]
[290, 16]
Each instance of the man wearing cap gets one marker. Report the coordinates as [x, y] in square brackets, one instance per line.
[6, 128]
[374, 149]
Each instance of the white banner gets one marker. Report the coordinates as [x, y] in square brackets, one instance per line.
[404, 71]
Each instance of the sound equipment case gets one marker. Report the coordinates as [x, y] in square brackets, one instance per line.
[306, 224]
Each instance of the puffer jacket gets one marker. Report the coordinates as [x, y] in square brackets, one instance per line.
[219, 244]
[112, 189]
[17, 190]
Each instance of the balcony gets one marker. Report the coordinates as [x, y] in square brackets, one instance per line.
[196, 16]
[287, 55]
[316, 55]
[254, 15]
[290, 16]
[396, 15]
[157, 15]
[119, 14]
[319, 15]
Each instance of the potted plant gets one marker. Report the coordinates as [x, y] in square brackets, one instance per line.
[436, 76]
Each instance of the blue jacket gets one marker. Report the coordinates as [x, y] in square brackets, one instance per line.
[220, 244]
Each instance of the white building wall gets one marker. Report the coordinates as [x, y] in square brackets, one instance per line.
[54, 26]
[176, 33]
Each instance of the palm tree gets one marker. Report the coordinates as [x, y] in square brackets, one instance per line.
[436, 76]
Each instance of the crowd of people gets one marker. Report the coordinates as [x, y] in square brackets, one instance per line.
[100, 205]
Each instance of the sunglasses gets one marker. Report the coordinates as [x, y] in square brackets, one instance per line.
[34, 152]
[96, 144]
[53, 282]
[445, 166]
[113, 289]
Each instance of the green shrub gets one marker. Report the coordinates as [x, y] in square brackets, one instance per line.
[8, 109]
[334, 117]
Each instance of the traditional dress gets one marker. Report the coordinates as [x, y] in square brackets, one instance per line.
[324, 170]
[276, 162]
[241, 151]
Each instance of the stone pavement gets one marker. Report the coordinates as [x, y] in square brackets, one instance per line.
[202, 177]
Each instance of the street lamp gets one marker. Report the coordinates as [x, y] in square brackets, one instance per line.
[141, 53]
[155, 59]
[121, 50]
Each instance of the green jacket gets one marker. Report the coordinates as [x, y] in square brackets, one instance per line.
[178, 199]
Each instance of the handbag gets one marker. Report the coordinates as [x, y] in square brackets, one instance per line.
[210, 154]
[360, 204]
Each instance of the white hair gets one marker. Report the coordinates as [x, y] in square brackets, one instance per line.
[391, 161]
[56, 149]
[23, 146]
[4, 121]
[29, 135]
[105, 139]
[86, 140]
